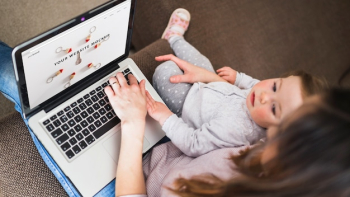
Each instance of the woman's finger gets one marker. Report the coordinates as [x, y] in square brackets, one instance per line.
[132, 79]
[180, 63]
[121, 80]
[142, 86]
[114, 84]
[109, 92]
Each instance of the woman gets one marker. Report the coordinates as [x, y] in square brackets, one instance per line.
[305, 156]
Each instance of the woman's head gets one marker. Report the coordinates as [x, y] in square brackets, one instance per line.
[310, 154]
[270, 100]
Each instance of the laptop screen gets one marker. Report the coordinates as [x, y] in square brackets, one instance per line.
[56, 64]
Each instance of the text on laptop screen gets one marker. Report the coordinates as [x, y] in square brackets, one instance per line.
[63, 60]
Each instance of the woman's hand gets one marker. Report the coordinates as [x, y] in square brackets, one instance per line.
[228, 74]
[157, 110]
[128, 101]
[192, 73]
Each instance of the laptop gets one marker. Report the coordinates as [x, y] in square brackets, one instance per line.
[61, 75]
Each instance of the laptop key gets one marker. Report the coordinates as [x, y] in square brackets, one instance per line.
[79, 136]
[73, 104]
[108, 107]
[96, 106]
[102, 102]
[90, 119]
[102, 130]
[77, 118]
[71, 132]
[94, 98]
[50, 127]
[65, 127]
[89, 139]
[100, 94]
[53, 117]
[90, 110]
[76, 149]
[84, 114]
[82, 144]
[66, 109]
[57, 123]
[82, 106]
[63, 118]
[86, 96]
[56, 133]
[65, 146]
[98, 123]
[85, 132]
[92, 128]
[84, 124]
[80, 100]
[70, 114]
[76, 110]
[78, 128]
[102, 111]
[98, 88]
[96, 115]
[62, 139]
[107, 100]
[60, 113]
[104, 119]
[88, 102]
[71, 123]
[73, 141]
[46, 122]
[92, 92]
[105, 84]
[109, 115]
[70, 154]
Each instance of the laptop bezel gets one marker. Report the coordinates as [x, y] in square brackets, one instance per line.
[61, 97]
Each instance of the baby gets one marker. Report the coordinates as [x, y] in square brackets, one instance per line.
[206, 111]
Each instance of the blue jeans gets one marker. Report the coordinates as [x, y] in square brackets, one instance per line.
[8, 87]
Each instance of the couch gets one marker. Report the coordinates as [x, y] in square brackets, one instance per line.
[261, 38]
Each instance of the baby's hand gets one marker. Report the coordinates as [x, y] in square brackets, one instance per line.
[157, 110]
[228, 74]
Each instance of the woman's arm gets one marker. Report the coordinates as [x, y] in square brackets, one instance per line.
[129, 103]
[192, 73]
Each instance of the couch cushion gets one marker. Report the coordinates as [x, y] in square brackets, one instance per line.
[261, 38]
[22, 171]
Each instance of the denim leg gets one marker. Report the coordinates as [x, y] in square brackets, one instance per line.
[8, 87]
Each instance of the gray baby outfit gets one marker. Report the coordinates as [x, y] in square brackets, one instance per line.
[208, 116]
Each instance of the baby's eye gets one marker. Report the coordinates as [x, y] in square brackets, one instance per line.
[274, 87]
[273, 109]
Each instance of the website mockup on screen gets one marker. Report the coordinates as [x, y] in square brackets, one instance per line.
[65, 59]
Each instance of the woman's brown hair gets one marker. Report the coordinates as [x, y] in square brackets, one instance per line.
[312, 157]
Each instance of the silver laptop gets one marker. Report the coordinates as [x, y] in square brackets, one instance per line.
[61, 75]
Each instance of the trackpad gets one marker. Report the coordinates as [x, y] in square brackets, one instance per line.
[112, 145]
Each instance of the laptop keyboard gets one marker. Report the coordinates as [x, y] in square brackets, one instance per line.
[81, 123]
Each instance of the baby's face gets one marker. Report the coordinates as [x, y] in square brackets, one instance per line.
[271, 100]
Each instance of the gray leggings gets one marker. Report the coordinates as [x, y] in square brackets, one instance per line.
[174, 94]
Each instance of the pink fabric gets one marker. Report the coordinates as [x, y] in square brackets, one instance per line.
[166, 163]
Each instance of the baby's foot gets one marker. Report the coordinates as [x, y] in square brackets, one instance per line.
[178, 23]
